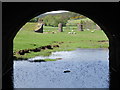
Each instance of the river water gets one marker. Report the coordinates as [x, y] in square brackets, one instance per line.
[89, 68]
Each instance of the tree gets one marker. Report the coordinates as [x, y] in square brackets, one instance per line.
[55, 19]
[35, 19]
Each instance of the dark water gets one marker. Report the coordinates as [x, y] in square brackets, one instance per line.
[89, 68]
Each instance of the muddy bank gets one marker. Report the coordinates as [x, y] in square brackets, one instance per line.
[39, 49]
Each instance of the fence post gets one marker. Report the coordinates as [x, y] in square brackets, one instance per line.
[80, 27]
[60, 27]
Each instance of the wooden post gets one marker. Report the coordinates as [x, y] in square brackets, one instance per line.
[60, 28]
[80, 27]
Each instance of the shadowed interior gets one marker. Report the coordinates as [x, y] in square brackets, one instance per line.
[15, 15]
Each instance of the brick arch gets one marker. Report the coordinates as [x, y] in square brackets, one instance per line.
[15, 15]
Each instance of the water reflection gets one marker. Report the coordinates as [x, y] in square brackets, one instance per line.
[89, 68]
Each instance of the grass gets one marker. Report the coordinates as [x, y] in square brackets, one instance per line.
[44, 60]
[26, 38]
[50, 59]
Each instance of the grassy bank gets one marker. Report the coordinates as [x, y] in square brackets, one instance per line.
[26, 38]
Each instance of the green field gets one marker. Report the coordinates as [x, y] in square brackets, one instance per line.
[26, 38]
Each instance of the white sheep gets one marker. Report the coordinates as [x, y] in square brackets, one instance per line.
[69, 32]
[74, 32]
[92, 31]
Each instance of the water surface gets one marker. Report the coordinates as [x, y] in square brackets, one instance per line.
[89, 68]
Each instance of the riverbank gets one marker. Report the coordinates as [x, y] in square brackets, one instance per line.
[27, 39]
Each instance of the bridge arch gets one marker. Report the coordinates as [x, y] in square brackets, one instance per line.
[15, 15]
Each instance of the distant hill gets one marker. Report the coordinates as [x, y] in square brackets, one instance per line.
[66, 14]
[57, 17]
[43, 15]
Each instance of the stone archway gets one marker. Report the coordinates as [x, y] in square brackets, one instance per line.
[15, 15]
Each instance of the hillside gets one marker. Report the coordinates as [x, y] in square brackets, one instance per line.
[57, 18]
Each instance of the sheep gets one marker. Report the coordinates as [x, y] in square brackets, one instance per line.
[74, 32]
[69, 32]
[92, 31]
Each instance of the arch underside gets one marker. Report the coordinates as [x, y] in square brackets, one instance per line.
[15, 15]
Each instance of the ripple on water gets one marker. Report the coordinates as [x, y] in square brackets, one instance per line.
[89, 68]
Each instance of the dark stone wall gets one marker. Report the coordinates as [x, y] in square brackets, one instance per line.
[15, 15]
[114, 65]
[7, 64]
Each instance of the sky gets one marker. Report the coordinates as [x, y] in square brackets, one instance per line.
[60, 11]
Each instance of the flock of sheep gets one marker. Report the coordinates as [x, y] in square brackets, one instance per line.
[71, 32]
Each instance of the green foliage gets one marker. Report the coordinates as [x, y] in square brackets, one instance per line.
[87, 23]
[55, 19]
[35, 19]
